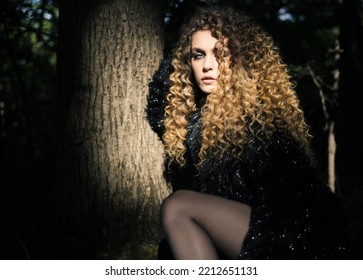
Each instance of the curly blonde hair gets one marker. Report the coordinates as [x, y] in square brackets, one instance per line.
[254, 96]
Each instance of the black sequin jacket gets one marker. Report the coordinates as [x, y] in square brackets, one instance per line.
[294, 214]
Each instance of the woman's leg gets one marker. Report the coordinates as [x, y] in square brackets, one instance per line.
[197, 225]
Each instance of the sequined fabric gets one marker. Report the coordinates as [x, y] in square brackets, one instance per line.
[294, 214]
[156, 100]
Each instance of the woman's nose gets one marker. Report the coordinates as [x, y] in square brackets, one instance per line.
[208, 63]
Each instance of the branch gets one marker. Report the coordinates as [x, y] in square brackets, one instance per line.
[318, 82]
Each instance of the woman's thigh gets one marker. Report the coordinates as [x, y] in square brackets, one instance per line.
[225, 221]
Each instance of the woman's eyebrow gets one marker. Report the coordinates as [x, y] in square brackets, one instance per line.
[198, 50]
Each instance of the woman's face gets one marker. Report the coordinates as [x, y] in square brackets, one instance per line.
[204, 62]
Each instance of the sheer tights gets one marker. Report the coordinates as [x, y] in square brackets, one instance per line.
[199, 225]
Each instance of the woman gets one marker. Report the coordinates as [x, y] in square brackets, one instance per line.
[227, 106]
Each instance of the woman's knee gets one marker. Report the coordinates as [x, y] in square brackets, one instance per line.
[175, 207]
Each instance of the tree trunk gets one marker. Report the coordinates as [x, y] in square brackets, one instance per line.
[110, 164]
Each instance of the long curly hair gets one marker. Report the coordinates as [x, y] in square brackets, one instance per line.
[253, 98]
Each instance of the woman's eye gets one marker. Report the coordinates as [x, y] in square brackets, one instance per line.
[197, 56]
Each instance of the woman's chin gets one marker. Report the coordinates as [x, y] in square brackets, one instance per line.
[207, 89]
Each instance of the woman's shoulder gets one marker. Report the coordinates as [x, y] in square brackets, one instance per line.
[160, 79]
[156, 99]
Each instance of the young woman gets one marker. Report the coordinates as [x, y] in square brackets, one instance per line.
[226, 105]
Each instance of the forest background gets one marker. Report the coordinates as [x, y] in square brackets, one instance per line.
[57, 202]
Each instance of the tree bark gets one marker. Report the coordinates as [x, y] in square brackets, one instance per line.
[110, 164]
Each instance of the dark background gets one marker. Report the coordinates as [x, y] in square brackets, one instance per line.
[305, 31]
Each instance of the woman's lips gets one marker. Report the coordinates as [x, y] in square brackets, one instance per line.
[208, 80]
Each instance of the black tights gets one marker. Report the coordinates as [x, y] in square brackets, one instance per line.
[199, 225]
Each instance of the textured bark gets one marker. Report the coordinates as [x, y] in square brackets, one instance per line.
[110, 176]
